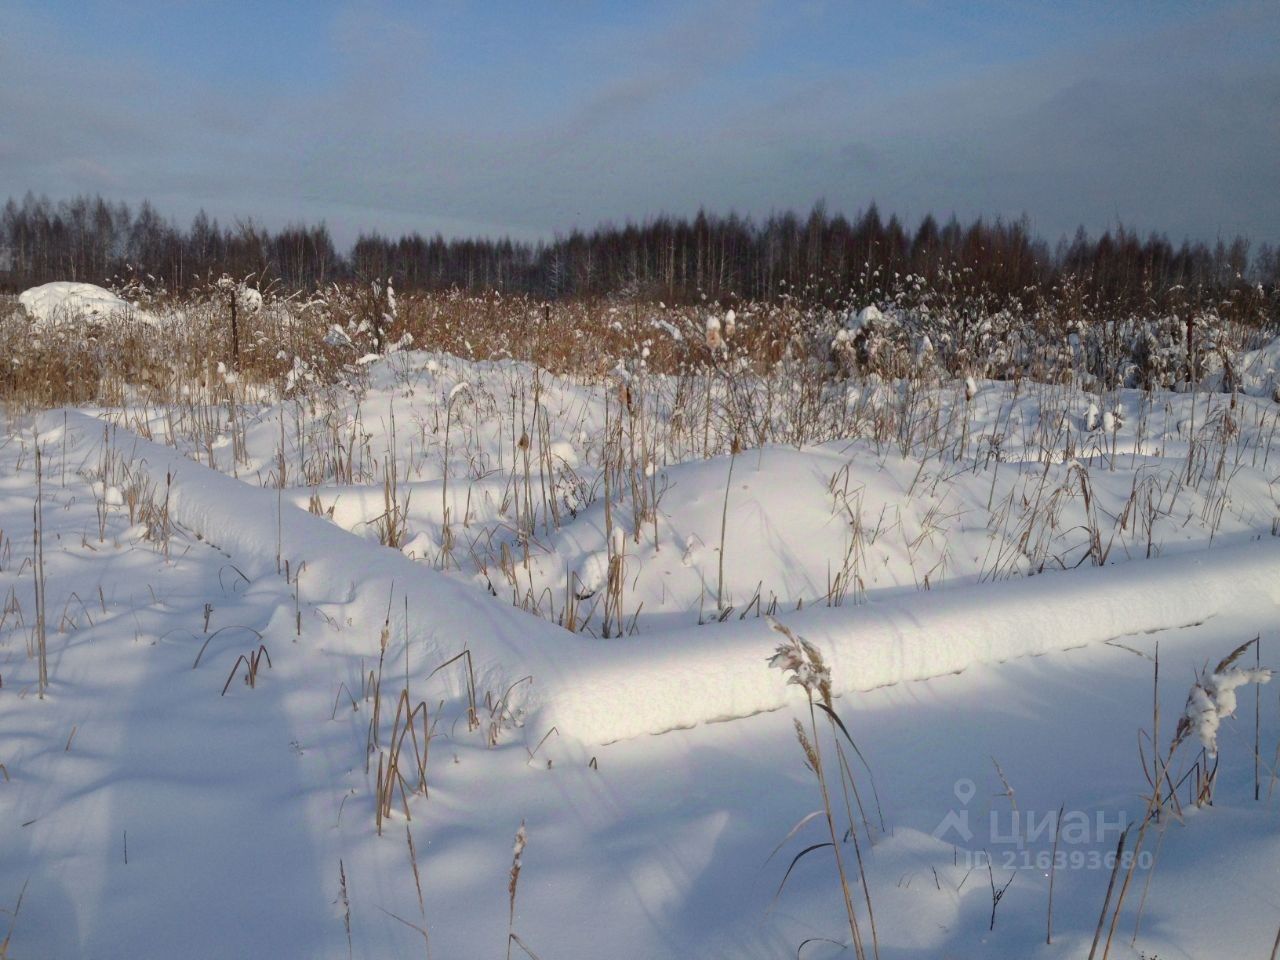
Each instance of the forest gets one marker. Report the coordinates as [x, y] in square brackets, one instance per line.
[821, 257]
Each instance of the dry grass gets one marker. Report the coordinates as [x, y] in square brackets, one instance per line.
[252, 662]
[38, 574]
[804, 662]
[1211, 701]
[780, 374]
[290, 341]
[513, 884]
[410, 726]
[13, 922]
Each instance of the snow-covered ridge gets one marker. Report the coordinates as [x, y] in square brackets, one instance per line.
[712, 673]
[600, 691]
[356, 577]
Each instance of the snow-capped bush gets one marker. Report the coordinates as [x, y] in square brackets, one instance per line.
[247, 299]
[870, 341]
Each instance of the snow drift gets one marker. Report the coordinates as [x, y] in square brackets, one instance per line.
[1259, 371]
[600, 691]
[719, 672]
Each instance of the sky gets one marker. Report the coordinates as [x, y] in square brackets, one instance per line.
[531, 118]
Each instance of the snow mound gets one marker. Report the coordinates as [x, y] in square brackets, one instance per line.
[1259, 371]
[64, 301]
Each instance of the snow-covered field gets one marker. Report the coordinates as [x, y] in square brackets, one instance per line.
[475, 595]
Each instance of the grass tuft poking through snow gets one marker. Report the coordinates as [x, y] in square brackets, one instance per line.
[804, 663]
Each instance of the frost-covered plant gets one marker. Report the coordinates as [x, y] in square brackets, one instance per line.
[1211, 700]
[137, 286]
[299, 375]
[804, 664]
[1213, 697]
[239, 300]
[383, 311]
[872, 341]
[513, 883]
[715, 339]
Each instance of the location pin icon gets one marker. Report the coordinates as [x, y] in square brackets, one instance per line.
[965, 790]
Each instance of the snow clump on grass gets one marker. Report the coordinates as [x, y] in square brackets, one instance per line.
[798, 657]
[714, 338]
[1213, 698]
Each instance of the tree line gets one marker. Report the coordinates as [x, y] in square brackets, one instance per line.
[821, 256]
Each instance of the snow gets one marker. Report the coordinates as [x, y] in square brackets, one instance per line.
[247, 298]
[867, 316]
[256, 527]
[1091, 417]
[1214, 699]
[65, 302]
[250, 298]
[337, 337]
[1005, 592]
[173, 808]
[919, 549]
[1259, 371]
[710, 673]
[653, 684]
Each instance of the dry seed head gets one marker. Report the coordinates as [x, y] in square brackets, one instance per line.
[1234, 655]
[810, 755]
[522, 838]
[787, 658]
[803, 661]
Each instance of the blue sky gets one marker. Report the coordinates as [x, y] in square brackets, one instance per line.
[530, 118]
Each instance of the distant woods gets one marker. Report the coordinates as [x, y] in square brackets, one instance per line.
[821, 257]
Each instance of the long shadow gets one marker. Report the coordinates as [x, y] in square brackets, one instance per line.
[180, 826]
[1063, 728]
